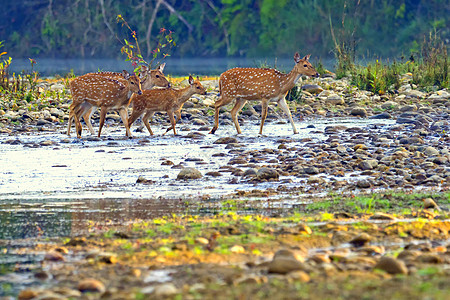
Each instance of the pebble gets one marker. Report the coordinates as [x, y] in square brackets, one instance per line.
[267, 173]
[189, 173]
[91, 285]
[391, 265]
[165, 290]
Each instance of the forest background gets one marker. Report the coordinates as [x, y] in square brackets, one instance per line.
[226, 28]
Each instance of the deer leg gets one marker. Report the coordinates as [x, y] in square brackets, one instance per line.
[145, 119]
[178, 115]
[172, 121]
[219, 103]
[264, 106]
[124, 115]
[282, 103]
[71, 116]
[134, 115]
[87, 119]
[235, 110]
[103, 112]
[78, 127]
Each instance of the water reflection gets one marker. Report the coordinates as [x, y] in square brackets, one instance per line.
[175, 66]
[67, 218]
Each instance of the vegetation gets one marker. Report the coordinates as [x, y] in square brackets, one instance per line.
[222, 28]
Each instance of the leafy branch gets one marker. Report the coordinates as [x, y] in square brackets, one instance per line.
[133, 51]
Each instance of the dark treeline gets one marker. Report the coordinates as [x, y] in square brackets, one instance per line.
[88, 28]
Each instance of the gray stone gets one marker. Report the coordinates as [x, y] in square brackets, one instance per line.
[267, 173]
[189, 173]
[358, 111]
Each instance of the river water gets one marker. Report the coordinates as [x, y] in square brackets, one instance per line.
[174, 66]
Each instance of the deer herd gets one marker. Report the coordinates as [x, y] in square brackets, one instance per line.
[116, 91]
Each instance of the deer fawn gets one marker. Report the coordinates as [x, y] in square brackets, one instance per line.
[105, 92]
[168, 100]
[149, 79]
[244, 84]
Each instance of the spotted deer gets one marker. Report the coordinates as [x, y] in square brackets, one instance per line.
[149, 79]
[108, 93]
[169, 100]
[266, 85]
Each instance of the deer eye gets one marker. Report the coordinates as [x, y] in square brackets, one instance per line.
[305, 66]
[132, 82]
[157, 76]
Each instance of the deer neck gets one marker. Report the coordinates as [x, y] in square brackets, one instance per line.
[184, 94]
[289, 80]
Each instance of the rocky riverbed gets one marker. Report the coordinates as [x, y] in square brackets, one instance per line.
[346, 208]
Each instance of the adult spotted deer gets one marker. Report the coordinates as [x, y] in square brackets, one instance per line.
[106, 92]
[168, 100]
[244, 84]
[149, 79]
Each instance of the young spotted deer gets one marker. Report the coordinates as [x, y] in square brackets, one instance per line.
[149, 79]
[168, 100]
[106, 92]
[244, 84]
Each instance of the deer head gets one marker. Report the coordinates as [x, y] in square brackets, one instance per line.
[303, 66]
[197, 86]
[134, 82]
[150, 78]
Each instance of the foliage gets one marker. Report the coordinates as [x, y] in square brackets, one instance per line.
[133, 50]
[227, 27]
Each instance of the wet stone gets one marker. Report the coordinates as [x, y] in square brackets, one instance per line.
[226, 140]
[189, 173]
[267, 173]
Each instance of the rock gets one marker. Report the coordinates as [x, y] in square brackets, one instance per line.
[250, 173]
[284, 265]
[226, 140]
[311, 170]
[143, 180]
[408, 255]
[429, 258]
[334, 99]
[237, 249]
[299, 276]
[312, 88]
[213, 174]
[369, 164]
[27, 294]
[382, 216]
[411, 140]
[358, 111]
[363, 184]
[360, 240]
[389, 105]
[383, 115]
[107, 257]
[91, 285]
[199, 122]
[189, 173]
[430, 151]
[267, 173]
[53, 256]
[165, 290]
[391, 265]
[316, 180]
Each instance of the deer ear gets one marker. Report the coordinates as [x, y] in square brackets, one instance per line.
[297, 57]
[307, 57]
[125, 74]
[191, 80]
[161, 67]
